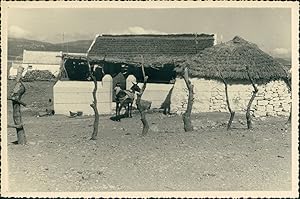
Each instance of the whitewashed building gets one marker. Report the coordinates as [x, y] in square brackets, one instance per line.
[42, 60]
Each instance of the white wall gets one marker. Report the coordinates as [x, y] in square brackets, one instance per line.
[154, 92]
[77, 96]
[209, 96]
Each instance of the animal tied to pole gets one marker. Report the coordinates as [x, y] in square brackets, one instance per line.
[125, 98]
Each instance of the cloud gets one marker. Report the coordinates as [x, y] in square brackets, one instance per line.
[18, 32]
[69, 36]
[137, 30]
[281, 51]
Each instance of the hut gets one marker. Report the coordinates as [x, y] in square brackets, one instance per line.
[230, 60]
[119, 55]
[118, 58]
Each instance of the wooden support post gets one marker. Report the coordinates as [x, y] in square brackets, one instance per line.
[232, 113]
[94, 106]
[187, 114]
[16, 96]
[143, 105]
[248, 115]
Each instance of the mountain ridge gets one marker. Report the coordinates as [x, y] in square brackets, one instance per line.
[16, 46]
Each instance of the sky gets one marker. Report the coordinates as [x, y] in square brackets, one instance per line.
[269, 28]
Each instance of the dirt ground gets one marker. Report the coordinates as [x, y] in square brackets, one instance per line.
[60, 156]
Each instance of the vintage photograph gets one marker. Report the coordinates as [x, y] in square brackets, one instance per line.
[147, 99]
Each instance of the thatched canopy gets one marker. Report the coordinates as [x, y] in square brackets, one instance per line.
[155, 49]
[196, 52]
[231, 59]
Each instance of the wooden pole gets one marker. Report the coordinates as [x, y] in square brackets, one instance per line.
[187, 115]
[248, 115]
[94, 105]
[232, 113]
[15, 97]
[143, 105]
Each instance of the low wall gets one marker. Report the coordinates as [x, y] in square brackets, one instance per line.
[272, 98]
[77, 96]
[154, 92]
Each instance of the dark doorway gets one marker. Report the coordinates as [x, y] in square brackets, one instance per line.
[77, 69]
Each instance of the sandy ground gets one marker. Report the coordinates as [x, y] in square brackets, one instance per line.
[60, 156]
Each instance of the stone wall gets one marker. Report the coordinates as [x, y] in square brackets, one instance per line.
[273, 98]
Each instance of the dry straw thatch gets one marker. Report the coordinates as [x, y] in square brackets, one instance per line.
[156, 49]
[231, 59]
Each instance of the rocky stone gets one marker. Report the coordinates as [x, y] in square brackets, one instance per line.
[260, 97]
[274, 89]
[269, 108]
[276, 99]
[281, 98]
[278, 109]
[281, 92]
[275, 95]
[267, 89]
[271, 113]
[262, 102]
[270, 84]
[281, 113]
[261, 108]
[219, 97]
[286, 107]
[259, 113]
[268, 96]
[276, 103]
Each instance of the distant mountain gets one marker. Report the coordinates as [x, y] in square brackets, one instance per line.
[284, 61]
[16, 47]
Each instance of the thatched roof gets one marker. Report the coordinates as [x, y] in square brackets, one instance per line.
[129, 48]
[231, 59]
